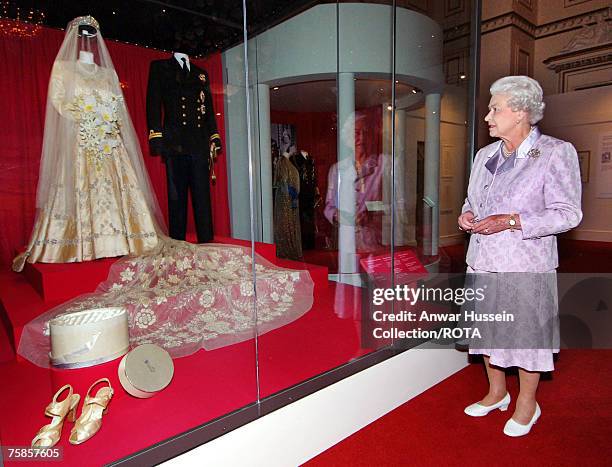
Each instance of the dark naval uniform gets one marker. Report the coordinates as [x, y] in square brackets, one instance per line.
[182, 128]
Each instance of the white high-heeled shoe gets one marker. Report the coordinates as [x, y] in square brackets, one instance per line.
[515, 429]
[479, 410]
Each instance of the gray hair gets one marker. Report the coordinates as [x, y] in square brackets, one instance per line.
[524, 93]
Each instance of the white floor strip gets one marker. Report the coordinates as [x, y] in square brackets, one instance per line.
[303, 429]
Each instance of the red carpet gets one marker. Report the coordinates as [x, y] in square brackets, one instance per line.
[431, 430]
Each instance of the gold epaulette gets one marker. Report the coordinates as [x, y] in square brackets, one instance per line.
[215, 136]
[154, 134]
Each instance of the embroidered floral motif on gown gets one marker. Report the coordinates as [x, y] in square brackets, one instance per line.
[110, 217]
[188, 297]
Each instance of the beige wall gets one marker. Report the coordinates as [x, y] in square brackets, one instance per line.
[491, 9]
[494, 63]
[508, 47]
[580, 117]
[552, 10]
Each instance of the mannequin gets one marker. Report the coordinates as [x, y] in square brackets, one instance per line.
[183, 130]
[77, 218]
[86, 57]
[309, 197]
[286, 209]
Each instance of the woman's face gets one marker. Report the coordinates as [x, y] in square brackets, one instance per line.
[501, 118]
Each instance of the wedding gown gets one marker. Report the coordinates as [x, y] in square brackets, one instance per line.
[180, 296]
[110, 215]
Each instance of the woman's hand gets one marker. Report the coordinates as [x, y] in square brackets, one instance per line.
[492, 224]
[466, 220]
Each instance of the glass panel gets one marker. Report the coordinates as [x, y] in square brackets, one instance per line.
[98, 192]
[319, 109]
[431, 152]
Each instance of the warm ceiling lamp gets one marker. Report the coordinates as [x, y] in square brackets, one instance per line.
[19, 22]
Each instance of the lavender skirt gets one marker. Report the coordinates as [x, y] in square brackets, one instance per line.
[531, 339]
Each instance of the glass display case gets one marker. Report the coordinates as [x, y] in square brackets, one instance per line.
[322, 145]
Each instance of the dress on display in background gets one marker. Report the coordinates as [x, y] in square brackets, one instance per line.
[309, 194]
[287, 235]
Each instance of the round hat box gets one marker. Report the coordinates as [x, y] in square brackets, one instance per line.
[145, 370]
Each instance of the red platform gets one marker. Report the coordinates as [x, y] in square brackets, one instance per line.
[63, 281]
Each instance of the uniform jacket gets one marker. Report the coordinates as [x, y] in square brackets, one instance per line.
[180, 114]
[541, 183]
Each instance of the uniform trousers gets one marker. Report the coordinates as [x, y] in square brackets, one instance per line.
[184, 174]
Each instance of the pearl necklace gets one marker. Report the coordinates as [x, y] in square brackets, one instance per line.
[505, 153]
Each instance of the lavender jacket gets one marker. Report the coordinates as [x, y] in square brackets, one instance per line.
[541, 183]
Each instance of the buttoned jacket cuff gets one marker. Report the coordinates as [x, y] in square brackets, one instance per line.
[155, 134]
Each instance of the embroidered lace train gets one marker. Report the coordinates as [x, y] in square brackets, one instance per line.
[187, 297]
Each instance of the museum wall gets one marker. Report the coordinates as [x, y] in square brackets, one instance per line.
[565, 45]
[583, 126]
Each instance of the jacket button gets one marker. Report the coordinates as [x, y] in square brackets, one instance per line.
[480, 204]
[199, 117]
[199, 125]
[184, 123]
[183, 106]
[182, 98]
[477, 240]
[486, 187]
[184, 115]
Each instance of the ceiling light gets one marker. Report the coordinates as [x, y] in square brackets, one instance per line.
[275, 88]
[20, 22]
[389, 107]
[462, 76]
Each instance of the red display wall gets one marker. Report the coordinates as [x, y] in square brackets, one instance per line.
[25, 67]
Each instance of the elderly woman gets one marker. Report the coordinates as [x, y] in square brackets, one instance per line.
[524, 189]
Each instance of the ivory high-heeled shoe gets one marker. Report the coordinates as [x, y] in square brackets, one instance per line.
[90, 420]
[479, 410]
[50, 434]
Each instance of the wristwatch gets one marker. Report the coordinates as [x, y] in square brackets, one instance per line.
[512, 222]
